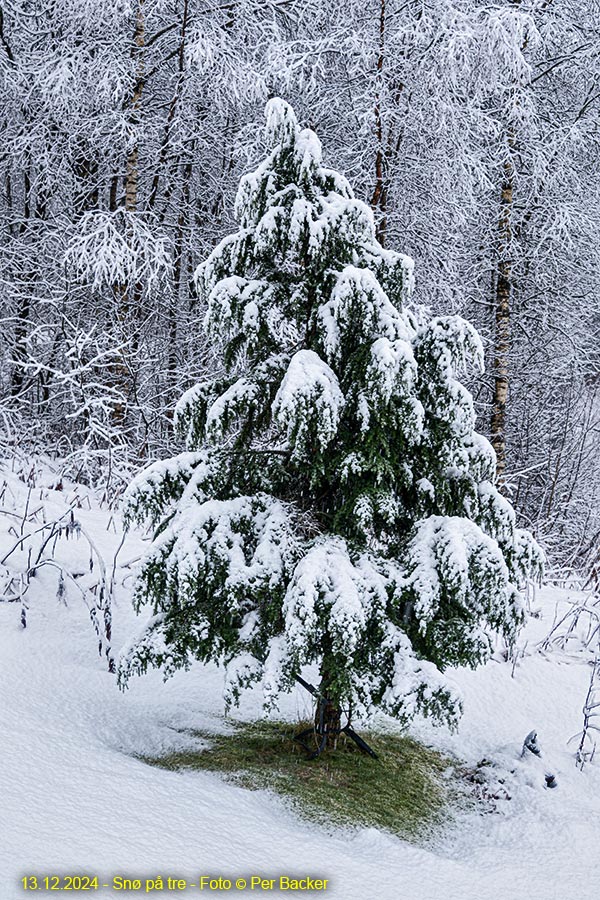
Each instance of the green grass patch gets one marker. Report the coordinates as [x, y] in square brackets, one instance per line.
[409, 790]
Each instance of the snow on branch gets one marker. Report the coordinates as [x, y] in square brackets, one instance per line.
[117, 248]
[308, 403]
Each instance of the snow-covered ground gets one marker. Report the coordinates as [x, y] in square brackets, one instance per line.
[74, 799]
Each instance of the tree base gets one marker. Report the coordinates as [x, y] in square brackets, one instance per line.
[328, 722]
[323, 741]
[328, 727]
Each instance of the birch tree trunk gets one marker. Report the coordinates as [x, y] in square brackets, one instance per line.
[502, 304]
[128, 295]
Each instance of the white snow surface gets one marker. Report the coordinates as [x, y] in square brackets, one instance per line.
[73, 797]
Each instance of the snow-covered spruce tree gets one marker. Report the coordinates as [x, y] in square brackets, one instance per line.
[335, 505]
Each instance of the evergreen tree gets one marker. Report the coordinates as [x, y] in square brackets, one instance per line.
[335, 505]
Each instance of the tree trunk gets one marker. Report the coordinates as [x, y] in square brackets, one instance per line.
[164, 148]
[504, 290]
[328, 717]
[180, 249]
[85, 169]
[379, 198]
[131, 166]
[502, 324]
[329, 721]
[128, 296]
[25, 281]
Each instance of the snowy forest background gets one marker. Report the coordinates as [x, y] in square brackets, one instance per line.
[471, 129]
